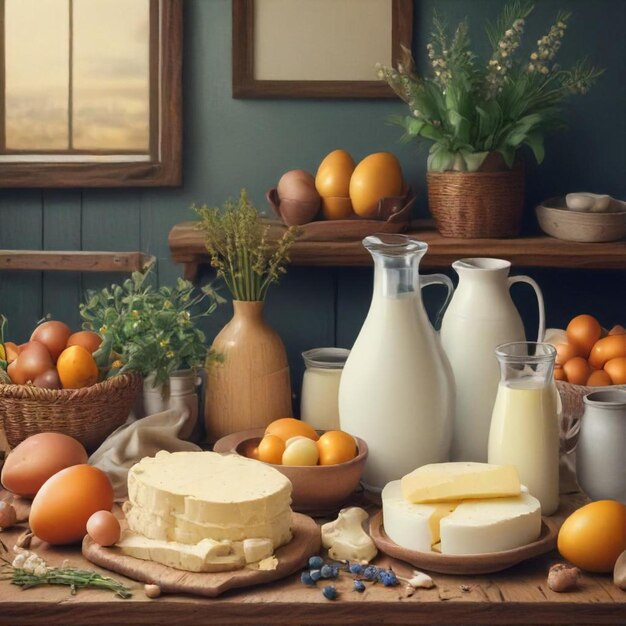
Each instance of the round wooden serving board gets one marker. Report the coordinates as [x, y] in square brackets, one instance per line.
[473, 564]
[291, 557]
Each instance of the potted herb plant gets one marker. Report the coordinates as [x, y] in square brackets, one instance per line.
[153, 331]
[250, 386]
[479, 113]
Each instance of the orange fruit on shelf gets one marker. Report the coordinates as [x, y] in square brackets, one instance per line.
[77, 368]
[335, 446]
[288, 427]
[377, 176]
[335, 208]
[87, 339]
[271, 449]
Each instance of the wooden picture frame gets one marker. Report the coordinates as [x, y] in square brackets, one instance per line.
[245, 85]
[163, 166]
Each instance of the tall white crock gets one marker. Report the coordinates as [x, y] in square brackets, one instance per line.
[480, 317]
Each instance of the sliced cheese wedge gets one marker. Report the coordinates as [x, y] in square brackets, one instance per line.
[205, 556]
[412, 526]
[476, 527]
[443, 482]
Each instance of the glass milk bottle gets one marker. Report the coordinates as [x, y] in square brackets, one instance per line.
[525, 422]
[396, 390]
[319, 404]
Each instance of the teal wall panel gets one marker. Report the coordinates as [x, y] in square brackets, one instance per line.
[229, 144]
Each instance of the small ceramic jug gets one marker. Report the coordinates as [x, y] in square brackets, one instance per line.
[601, 449]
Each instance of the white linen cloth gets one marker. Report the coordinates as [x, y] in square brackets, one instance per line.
[138, 438]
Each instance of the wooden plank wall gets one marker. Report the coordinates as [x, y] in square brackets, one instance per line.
[229, 144]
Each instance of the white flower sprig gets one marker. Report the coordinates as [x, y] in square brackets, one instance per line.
[501, 61]
[541, 60]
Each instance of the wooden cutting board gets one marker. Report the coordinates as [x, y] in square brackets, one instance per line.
[305, 543]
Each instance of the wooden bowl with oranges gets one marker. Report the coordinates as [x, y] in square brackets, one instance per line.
[324, 467]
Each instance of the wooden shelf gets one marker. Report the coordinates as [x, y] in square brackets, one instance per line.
[187, 246]
[74, 261]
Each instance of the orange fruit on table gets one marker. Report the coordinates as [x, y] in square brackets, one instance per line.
[87, 339]
[77, 368]
[288, 427]
[271, 449]
[335, 447]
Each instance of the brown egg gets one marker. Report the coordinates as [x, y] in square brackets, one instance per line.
[583, 331]
[599, 378]
[104, 528]
[606, 349]
[559, 374]
[66, 501]
[53, 335]
[565, 352]
[577, 370]
[616, 369]
[32, 361]
[29, 465]
[48, 380]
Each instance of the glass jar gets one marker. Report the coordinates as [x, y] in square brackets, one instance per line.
[525, 420]
[319, 404]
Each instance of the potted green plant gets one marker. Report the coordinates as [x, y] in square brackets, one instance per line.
[478, 114]
[250, 386]
[153, 331]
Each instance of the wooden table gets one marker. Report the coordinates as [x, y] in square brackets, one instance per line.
[186, 244]
[517, 596]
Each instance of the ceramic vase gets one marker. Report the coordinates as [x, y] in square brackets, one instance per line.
[250, 386]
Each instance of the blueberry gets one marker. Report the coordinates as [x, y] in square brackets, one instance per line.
[315, 562]
[370, 572]
[315, 575]
[305, 579]
[329, 592]
[359, 586]
[356, 568]
[388, 578]
[327, 571]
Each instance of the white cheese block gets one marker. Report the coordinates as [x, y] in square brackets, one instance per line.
[206, 556]
[479, 526]
[177, 528]
[441, 482]
[412, 526]
[256, 550]
[190, 496]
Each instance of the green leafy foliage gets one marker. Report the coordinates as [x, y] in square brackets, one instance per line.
[148, 329]
[469, 108]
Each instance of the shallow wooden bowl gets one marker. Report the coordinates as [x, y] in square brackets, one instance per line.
[562, 223]
[318, 489]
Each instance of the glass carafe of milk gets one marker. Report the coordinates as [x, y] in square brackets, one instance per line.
[396, 389]
[525, 421]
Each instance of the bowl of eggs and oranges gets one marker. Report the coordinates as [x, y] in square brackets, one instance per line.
[588, 356]
[324, 467]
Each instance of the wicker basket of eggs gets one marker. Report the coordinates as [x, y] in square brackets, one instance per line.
[588, 357]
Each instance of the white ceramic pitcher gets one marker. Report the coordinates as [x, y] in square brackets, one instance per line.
[480, 317]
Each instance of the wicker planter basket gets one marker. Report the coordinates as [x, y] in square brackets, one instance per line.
[474, 205]
[90, 414]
